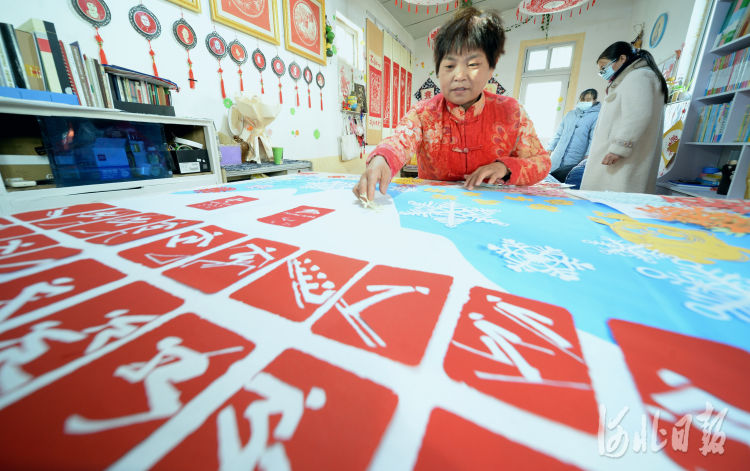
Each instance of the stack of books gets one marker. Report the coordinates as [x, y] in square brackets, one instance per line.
[736, 23]
[35, 64]
[744, 133]
[730, 72]
[712, 122]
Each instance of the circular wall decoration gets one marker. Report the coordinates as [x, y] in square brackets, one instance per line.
[278, 66]
[144, 22]
[184, 34]
[237, 52]
[259, 60]
[216, 45]
[657, 32]
[95, 12]
[308, 75]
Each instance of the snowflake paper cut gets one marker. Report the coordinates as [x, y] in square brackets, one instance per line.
[521, 257]
[610, 246]
[323, 185]
[452, 214]
[711, 292]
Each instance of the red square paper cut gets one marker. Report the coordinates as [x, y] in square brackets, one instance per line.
[525, 353]
[217, 270]
[299, 410]
[389, 311]
[451, 442]
[180, 246]
[681, 377]
[40, 289]
[108, 226]
[28, 243]
[141, 232]
[10, 230]
[91, 417]
[36, 258]
[301, 285]
[83, 218]
[223, 202]
[33, 349]
[59, 212]
[295, 216]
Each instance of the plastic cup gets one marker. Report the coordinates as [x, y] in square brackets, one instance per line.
[278, 155]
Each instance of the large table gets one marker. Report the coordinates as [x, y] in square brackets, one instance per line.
[277, 323]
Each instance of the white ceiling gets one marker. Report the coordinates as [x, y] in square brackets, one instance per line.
[419, 25]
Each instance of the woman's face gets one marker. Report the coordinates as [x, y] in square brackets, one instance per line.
[463, 76]
[604, 62]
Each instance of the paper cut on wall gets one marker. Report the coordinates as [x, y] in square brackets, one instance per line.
[40, 289]
[371, 314]
[180, 246]
[275, 417]
[446, 431]
[522, 351]
[38, 347]
[686, 381]
[129, 393]
[216, 271]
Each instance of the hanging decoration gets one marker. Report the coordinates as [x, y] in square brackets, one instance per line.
[295, 72]
[431, 37]
[528, 10]
[96, 13]
[321, 81]
[429, 4]
[493, 86]
[307, 75]
[218, 48]
[259, 61]
[279, 68]
[238, 54]
[330, 47]
[185, 35]
[147, 26]
[427, 90]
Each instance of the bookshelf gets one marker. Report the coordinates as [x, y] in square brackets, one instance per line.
[695, 153]
[21, 136]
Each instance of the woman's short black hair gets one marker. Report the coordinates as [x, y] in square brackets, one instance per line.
[590, 91]
[622, 48]
[471, 29]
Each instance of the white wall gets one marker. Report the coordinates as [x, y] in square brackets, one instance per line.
[606, 22]
[126, 48]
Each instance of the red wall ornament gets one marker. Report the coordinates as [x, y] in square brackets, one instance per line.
[541, 7]
[238, 54]
[217, 47]
[95, 12]
[295, 72]
[259, 61]
[146, 24]
[185, 35]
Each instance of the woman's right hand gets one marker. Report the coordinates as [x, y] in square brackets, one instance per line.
[377, 171]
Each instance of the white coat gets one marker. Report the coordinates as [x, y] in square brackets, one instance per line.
[631, 124]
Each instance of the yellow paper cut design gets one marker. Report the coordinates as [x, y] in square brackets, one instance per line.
[408, 180]
[470, 193]
[444, 197]
[545, 207]
[518, 198]
[559, 202]
[687, 244]
[486, 202]
[434, 190]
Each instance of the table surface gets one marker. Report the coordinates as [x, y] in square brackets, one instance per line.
[279, 323]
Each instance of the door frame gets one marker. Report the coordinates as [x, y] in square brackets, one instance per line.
[565, 85]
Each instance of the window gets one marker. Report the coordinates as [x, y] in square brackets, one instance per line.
[348, 39]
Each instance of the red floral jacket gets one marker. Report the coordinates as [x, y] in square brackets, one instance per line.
[451, 142]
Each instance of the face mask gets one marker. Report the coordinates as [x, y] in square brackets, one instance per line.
[584, 105]
[607, 72]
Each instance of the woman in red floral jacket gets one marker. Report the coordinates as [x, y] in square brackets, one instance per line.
[465, 132]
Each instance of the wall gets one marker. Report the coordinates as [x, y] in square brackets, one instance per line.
[294, 128]
[606, 22]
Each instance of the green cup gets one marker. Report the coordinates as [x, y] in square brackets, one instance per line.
[278, 155]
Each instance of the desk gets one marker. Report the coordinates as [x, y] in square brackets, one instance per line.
[278, 321]
[246, 170]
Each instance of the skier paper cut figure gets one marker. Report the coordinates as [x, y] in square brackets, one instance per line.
[202, 239]
[15, 353]
[278, 398]
[35, 292]
[503, 344]
[11, 246]
[173, 364]
[118, 327]
[685, 398]
[353, 312]
[303, 275]
[255, 258]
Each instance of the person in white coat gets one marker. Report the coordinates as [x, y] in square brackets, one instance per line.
[626, 146]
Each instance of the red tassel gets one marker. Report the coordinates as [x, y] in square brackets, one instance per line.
[408, 6]
[281, 98]
[153, 62]
[456, 5]
[191, 77]
[100, 41]
[242, 88]
[262, 90]
[587, 6]
[296, 93]
[593, 3]
[402, 4]
[396, 3]
[428, 10]
[321, 100]
[535, 20]
[221, 77]
[447, 5]
[309, 101]
[416, 8]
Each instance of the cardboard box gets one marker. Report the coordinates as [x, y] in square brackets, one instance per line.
[190, 161]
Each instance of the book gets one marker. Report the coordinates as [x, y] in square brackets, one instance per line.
[54, 46]
[36, 27]
[8, 34]
[30, 57]
[69, 72]
[95, 90]
[100, 81]
[6, 74]
[106, 89]
[83, 78]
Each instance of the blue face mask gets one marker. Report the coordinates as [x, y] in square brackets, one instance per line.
[584, 105]
[607, 72]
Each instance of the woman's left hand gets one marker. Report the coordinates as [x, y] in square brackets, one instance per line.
[610, 159]
[493, 173]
